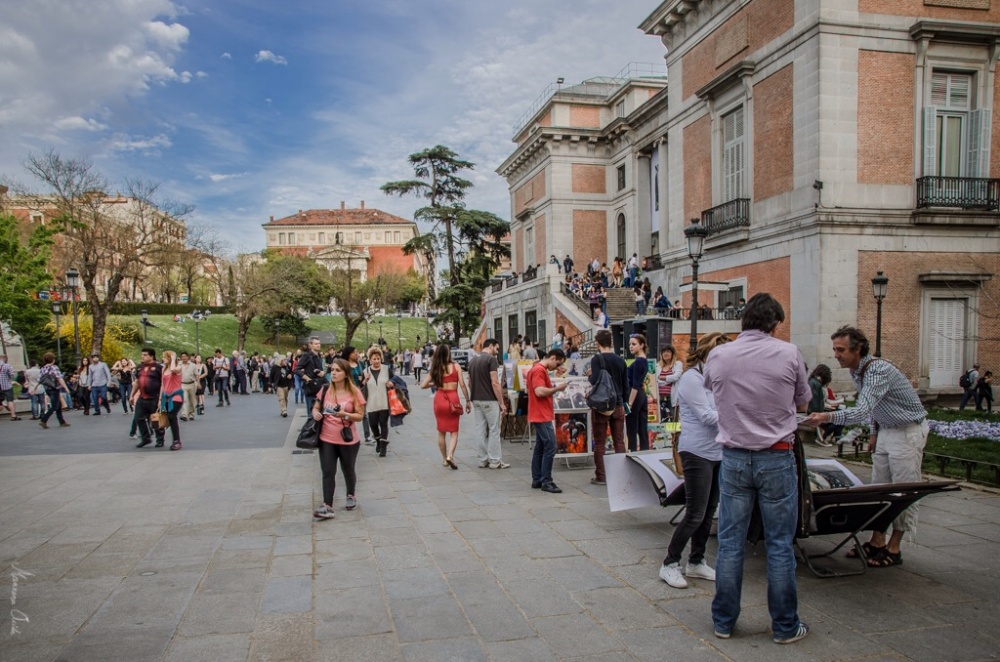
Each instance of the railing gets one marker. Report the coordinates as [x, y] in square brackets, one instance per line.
[578, 341]
[653, 262]
[496, 287]
[958, 192]
[582, 304]
[728, 215]
[727, 313]
[531, 273]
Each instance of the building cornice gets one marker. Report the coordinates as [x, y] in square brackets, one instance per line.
[956, 31]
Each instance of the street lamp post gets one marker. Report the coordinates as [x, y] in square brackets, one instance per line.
[277, 328]
[145, 323]
[380, 336]
[73, 282]
[695, 234]
[368, 342]
[399, 333]
[57, 311]
[196, 318]
[880, 285]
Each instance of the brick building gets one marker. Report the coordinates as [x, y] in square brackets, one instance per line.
[820, 141]
[365, 241]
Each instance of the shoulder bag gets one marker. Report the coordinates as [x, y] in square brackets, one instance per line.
[308, 438]
[602, 397]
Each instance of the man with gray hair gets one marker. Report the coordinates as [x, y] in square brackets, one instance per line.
[487, 404]
[889, 405]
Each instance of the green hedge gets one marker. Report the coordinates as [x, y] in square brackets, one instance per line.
[136, 308]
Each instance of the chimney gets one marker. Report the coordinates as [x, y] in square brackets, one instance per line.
[272, 219]
[343, 205]
[362, 204]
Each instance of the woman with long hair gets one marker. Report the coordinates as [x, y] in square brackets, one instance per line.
[124, 369]
[617, 272]
[701, 457]
[82, 391]
[356, 372]
[559, 339]
[340, 406]
[819, 380]
[668, 372]
[376, 380]
[637, 413]
[446, 376]
[172, 395]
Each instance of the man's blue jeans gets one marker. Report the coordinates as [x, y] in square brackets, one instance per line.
[767, 478]
[545, 453]
[99, 394]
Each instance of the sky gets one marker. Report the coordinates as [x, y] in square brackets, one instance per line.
[247, 109]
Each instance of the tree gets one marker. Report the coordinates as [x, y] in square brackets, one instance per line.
[24, 271]
[358, 300]
[110, 240]
[455, 228]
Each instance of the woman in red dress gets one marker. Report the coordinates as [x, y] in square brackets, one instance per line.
[446, 376]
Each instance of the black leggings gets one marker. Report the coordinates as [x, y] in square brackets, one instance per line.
[637, 428]
[329, 454]
[379, 422]
[701, 489]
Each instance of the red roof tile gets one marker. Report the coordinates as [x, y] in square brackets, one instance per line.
[339, 217]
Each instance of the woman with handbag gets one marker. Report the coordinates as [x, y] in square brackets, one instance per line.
[701, 456]
[376, 379]
[446, 375]
[668, 372]
[171, 397]
[338, 409]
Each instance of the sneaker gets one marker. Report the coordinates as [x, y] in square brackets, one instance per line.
[723, 635]
[700, 571]
[671, 573]
[64, 425]
[484, 464]
[594, 481]
[499, 464]
[176, 446]
[799, 634]
[352, 503]
[43, 425]
[324, 512]
[131, 436]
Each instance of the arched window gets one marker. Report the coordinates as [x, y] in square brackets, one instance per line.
[621, 236]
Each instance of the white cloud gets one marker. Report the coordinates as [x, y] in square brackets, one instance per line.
[221, 178]
[185, 77]
[201, 74]
[268, 56]
[78, 123]
[226, 56]
[126, 143]
[171, 37]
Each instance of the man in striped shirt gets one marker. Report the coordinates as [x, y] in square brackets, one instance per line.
[889, 405]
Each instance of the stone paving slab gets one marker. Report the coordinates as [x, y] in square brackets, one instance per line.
[212, 554]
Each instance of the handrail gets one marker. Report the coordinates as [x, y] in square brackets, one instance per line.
[728, 215]
[971, 193]
[722, 314]
[582, 304]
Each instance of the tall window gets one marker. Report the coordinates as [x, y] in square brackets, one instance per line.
[956, 134]
[281, 238]
[357, 238]
[322, 237]
[396, 237]
[291, 238]
[388, 237]
[529, 246]
[531, 325]
[620, 109]
[621, 177]
[621, 236]
[512, 327]
[498, 333]
[733, 155]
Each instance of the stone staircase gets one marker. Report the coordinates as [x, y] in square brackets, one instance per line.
[621, 303]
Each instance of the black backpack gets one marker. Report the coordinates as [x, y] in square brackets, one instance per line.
[965, 381]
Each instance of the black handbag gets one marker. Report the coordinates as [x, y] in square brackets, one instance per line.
[346, 434]
[309, 435]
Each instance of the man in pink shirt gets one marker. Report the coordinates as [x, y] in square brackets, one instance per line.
[758, 382]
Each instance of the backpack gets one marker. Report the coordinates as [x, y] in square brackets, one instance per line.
[602, 397]
[965, 381]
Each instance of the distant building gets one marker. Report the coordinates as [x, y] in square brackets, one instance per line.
[364, 241]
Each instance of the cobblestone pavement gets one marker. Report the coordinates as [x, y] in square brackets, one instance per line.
[211, 553]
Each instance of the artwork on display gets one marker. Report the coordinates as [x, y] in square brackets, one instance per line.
[576, 367]
[574, 398]
[642, 479]
[521, 378]
[658, 435]
[830, 475]
[572, 433]
[507, 378]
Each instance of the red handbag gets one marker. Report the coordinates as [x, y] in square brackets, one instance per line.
[456, 407]
[396, 406]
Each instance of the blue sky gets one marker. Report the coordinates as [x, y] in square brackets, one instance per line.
[252, 108]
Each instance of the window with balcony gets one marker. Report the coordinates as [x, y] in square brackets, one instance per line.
[956, 146]
[733, 210]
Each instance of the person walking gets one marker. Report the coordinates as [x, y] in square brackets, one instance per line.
[353, 358]
[605, 360]
[172, 395]
[637, 413]
[201, 379]
[969, 381]
[99, 378]
[281, 379]
[189, 386]
[124, 369]
[758, 383]
[82, 391]
[375, 379]
[418, 364]
[7, 387]
[35, 390]
[339, 407]
[984, 392]
[542, 415]
[51, 379]
[312, 371]
[701, 457]
[446, 376]
[146, 396]
[220, 368]
[889, 404]
[487, 404]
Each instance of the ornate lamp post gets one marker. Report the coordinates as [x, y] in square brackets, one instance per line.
[57, 311]
[695, 233]
[145, 323]
[73, 282]
[880, 285]
[196, 318]
[399, 333]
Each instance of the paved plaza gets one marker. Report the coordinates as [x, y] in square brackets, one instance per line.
[211, 553]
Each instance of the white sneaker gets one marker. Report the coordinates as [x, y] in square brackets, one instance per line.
[499, 464]
[700, 571]
[672, 575]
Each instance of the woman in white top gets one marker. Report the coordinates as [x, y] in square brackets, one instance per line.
[701, 456]
[375, 379]
[559, 338]
[668, 372]
[418, 364]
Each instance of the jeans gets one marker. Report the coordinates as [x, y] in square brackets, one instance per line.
[299, 395]
[544, 454]
[701, 496]
[222, 386]
[600, 424]
[37, 405]
[55, 406]
[125, 394]
[97, 394]
[486, 415]
[637, 426]
[768, 479]
[967, 395]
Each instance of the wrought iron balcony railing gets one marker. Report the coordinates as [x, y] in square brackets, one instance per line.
[971, 193]
[728, 215]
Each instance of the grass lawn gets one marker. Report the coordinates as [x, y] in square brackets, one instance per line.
[220, 331]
